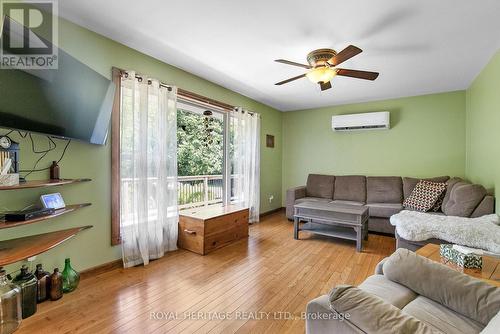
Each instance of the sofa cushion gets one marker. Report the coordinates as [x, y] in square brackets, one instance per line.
[440, 317]
[449, 186]
[459, 292]
[320, 186]
[384, 189]
[464, 198]
[392, 292]
[372, 314]
[384, 210]
[350, 188]
[348, 202]
[311, 199]
[424, 196]
[486, 207]
[409, 183]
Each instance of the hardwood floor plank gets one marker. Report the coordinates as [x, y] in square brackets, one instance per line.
[270, 272]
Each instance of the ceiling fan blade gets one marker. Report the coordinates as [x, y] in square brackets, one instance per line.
[357, 74]
[345, 54]
[325, 85]
[288, 62]
[291, 79]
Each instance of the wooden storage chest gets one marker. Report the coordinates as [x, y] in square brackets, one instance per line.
[205, 229]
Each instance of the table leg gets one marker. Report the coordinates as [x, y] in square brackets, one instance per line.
[296, 228]
[365, 230]
[359, 241]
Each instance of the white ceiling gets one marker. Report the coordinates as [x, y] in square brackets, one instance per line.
[418, 46]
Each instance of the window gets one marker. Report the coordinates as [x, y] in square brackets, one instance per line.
[200, 155]
[211, 182]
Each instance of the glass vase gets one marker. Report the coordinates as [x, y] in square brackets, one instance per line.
[70, 277]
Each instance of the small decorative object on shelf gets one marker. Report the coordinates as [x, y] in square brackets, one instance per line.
[27, 282]
[56, 285]
[71, 278]
[9, 180]
[10, 305]
[9, 149]
[54, 171]
[43, 280]
[467, 260]
[6, 177]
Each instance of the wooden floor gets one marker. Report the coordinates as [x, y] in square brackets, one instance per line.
[269, 272]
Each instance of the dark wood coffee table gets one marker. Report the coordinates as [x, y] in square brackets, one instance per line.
[333, 220]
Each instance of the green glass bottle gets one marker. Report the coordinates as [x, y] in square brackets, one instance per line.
[70, 277]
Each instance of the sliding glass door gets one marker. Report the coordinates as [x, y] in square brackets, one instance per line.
[201, 155]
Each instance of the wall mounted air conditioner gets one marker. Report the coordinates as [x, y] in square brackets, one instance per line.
[367, 121]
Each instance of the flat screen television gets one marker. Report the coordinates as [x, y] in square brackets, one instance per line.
[73, 101]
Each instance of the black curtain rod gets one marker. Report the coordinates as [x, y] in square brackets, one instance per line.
[138, 77]
[193, 97]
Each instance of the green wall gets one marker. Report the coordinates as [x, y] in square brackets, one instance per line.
[427, 138]
[92, 247]
[483, 134]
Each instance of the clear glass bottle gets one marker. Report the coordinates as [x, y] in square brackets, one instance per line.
[27, 282]
[10, 305]
[43, 281]
[70, 277]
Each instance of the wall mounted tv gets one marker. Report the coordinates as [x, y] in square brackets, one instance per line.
[73, 101]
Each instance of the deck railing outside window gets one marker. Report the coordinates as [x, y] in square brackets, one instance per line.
[192, 191]
[199, 190]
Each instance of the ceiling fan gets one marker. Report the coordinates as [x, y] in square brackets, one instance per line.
[323, 67]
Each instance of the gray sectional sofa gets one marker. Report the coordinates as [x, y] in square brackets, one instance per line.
[384, 196]
[408, 294]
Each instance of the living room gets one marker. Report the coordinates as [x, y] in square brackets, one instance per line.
[213, 194]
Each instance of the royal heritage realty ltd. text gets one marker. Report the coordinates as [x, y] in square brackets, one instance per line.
[240, 315]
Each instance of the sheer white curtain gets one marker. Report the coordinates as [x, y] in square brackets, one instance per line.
[148, 169]
[245, 135]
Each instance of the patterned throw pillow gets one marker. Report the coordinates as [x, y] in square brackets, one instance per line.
[439, 202]
[425, 195]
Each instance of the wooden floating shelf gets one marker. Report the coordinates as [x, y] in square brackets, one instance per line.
[19, 249]
[57, 213]
[43, 183]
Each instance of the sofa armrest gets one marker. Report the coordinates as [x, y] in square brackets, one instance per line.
[321, 319]
[379, 269]
[292, 195]
[296, 193]
[382, 318]
[459, 292]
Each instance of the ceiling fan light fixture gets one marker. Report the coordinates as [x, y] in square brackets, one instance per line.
[321, 74]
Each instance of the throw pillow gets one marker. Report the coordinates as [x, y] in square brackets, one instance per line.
[464, 199]
[439, 203]
[424, 196]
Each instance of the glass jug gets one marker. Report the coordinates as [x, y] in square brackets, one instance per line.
[10, 305]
